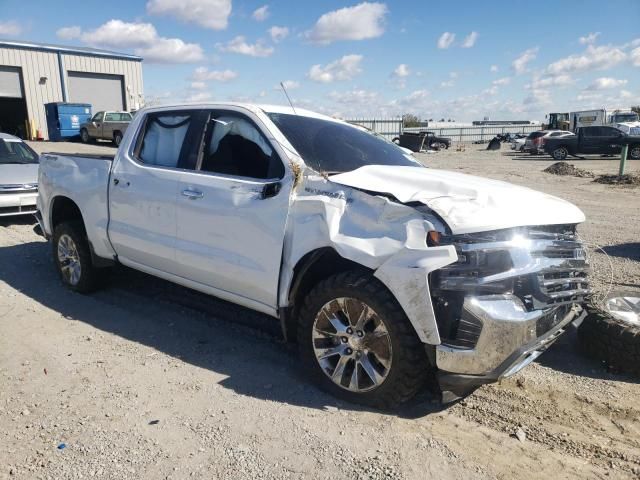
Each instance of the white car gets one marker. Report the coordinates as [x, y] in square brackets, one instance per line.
[534, 143]
[518, 144]
[383, 271]
[18, 177]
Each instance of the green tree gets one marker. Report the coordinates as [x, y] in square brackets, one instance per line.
[409, 120]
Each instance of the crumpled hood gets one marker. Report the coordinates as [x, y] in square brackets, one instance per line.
[467, 203]
[18, 174]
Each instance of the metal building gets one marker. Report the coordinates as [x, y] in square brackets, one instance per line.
[33, 74]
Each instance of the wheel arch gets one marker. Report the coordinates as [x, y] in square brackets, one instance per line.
[311, 269]
[64, 209]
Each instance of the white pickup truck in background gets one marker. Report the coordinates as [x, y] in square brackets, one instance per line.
[384, 271]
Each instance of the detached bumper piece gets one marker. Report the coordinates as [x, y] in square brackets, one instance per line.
[511, 294]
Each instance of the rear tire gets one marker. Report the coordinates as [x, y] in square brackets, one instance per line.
[634, 152]
[384, 339]
[117, 138]
[560, 153]
[72, 257]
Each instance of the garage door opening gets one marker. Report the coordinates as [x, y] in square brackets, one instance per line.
[13, 108]
[13, 116]
[102, 91]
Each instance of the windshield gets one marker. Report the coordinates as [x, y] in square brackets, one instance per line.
[15, 151]
[333, 147]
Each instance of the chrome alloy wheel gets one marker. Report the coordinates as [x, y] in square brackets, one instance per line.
[69, 260]
[352, 344]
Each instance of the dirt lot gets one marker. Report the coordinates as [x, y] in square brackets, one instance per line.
[147, 380]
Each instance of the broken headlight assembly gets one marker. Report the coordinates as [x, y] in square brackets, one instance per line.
[537, 267]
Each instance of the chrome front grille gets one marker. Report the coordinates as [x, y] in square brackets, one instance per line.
[19, 188]
[543, 266]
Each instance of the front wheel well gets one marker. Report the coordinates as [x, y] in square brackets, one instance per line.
[310, 270]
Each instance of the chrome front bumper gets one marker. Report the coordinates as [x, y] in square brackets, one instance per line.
[510, 339]
[17, 204]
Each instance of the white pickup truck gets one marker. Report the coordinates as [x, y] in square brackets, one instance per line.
[385, 272]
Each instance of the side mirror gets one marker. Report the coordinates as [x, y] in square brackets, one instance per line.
[271, 190]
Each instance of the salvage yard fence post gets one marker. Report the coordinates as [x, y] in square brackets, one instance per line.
[623, 159]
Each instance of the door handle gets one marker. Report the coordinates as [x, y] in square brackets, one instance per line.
[192, 194]
[116, 181]
[271, 190]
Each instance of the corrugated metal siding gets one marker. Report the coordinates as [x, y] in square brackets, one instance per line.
[35, 64]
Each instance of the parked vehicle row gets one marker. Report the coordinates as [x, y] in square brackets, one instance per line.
[384, 271]
[593, 140]
[603, 140]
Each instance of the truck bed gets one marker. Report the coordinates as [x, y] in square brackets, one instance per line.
[83, 179]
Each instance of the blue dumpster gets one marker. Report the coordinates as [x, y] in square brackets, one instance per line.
[64, 119]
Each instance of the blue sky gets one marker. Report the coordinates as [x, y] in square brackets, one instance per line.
[462, 60]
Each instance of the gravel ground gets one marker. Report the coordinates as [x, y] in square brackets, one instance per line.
[146, 380]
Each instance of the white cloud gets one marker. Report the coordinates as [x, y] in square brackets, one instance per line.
[446, 39]
[355, 97]
[604, 83]
[203, 74]
[10, 28]
[171, 50]
[212, 14]
[635, 57]
[198, 85]
[470, 40]
[119, 34]
[593, 58]
[240, 45]
[537, 99]
[447, 84]
[520, 64]
[199, 97]
[417, 95]
[69, 33]
[261, 14]
[589, 39]
[278, 33]
[493, 68]
[501, 81]
[549, 81]
[402, 71]
[143, 38]
[361, 22]
[290, 84]
[345, 68]
[490, 91]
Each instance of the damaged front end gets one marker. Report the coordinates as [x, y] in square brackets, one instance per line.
[511, 294]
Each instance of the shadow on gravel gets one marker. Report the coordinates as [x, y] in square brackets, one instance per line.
[244, 346]
[624, 250]
[565, 356]
[17, 220]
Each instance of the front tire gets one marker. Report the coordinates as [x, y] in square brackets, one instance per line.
[117, 138]
[611, 340]
[560, 153]
[72, 257]
[84, 136]
[634, 152]
[357, 343]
